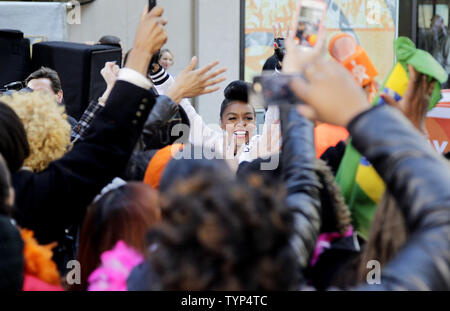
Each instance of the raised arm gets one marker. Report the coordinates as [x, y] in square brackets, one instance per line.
[414, 174]
[298, 162]
[50, 201]
[109, 73]
[418, 178]
[191, 83]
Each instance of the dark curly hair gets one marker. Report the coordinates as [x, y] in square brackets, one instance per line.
[220, 234]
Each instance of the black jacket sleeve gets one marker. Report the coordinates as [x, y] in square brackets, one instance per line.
[419, 179]
[49, 201]
[298, 158]
[163, 111]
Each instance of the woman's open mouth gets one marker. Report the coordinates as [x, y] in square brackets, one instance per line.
[240, 134]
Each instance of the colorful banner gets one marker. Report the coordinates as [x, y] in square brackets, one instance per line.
[371, 22]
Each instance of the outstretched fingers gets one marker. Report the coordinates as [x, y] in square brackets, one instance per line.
[208, 67]
[210, 90]
[192, 64]
[215, 74]
[215, 81]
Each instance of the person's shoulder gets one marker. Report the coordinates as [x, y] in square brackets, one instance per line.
[22, 176]
[271, 63]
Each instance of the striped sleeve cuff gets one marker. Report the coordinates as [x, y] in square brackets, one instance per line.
[160, 76]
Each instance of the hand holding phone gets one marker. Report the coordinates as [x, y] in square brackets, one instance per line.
[274, 89]
[309, 22]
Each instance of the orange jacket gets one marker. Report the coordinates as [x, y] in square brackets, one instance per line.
[327, 136]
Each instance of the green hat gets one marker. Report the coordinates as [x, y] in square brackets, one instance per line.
[423, 62]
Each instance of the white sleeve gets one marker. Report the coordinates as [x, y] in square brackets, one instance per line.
[163, 87]
[134, 77]
[200, 133]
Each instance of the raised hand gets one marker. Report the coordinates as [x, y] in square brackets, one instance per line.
[414, 104]
[330, 93]
[297, 58]
[232, 152]
[150, 37]
[270, 142]
[277, 31]
[109, 73]
[191, 83]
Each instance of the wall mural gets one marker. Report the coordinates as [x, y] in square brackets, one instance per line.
[371, 22]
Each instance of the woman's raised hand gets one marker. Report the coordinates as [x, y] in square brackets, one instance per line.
[193, 82]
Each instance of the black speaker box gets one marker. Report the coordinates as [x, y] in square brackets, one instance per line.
[78, 66]
[15, 58]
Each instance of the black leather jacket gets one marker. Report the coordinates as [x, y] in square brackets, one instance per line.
[419, 179]
[157, 134]
[163, 111]
[298, 158]
[414, 173]
[159, 128]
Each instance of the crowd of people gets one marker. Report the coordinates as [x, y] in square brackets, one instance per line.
[140, 194]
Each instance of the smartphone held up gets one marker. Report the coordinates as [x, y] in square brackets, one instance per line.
[309, 22]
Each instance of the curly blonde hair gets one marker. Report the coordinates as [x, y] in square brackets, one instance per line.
[46, 125]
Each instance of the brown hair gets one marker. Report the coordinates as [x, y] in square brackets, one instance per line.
[336, 215]
[126, 214]
[221, 234]
[47, 73]
[388, 234]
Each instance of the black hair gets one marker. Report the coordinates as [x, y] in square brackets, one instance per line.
[154, 60]
[47, 73]
[13, 139]
[183, 169]
[5, 185]
[270, 177]
[224, 235]
[235, 91]
[110, 40]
